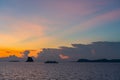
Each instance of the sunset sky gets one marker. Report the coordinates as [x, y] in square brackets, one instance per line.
[36, 24]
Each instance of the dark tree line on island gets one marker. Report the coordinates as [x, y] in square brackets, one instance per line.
[99, 60]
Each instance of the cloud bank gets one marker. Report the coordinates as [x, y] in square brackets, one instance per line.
[95, 50]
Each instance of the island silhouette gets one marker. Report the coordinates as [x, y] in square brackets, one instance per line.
[50, 62]
[98, 60]
[29, 59]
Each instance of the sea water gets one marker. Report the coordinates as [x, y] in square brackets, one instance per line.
[60, 71]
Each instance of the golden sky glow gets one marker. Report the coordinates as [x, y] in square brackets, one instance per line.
[7, 52]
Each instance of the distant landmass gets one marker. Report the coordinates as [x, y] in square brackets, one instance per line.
[50, 62]
[14, 61]
[98, 60]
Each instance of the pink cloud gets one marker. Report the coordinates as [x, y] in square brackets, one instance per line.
[93, 51]
[89, 24]
[22, 28]
[67, 9]
[93, 22]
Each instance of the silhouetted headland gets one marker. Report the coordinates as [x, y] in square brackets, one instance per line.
[50, 62]
[29, 59]
[99, 60]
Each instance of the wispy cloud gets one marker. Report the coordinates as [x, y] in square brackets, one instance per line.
[21, 31]
[93, 22]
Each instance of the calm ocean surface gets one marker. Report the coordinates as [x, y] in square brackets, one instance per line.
[61, 71]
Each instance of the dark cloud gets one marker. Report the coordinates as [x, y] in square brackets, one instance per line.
[26, 53]
[94, 50]
[11, 58]
[49, 54]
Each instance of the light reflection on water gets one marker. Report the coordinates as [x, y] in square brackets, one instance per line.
[61, 71]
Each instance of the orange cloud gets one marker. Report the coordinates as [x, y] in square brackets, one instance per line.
[9, 52]
[34, 53]
[63, 56]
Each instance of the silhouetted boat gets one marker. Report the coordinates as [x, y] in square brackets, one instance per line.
[14, 61]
